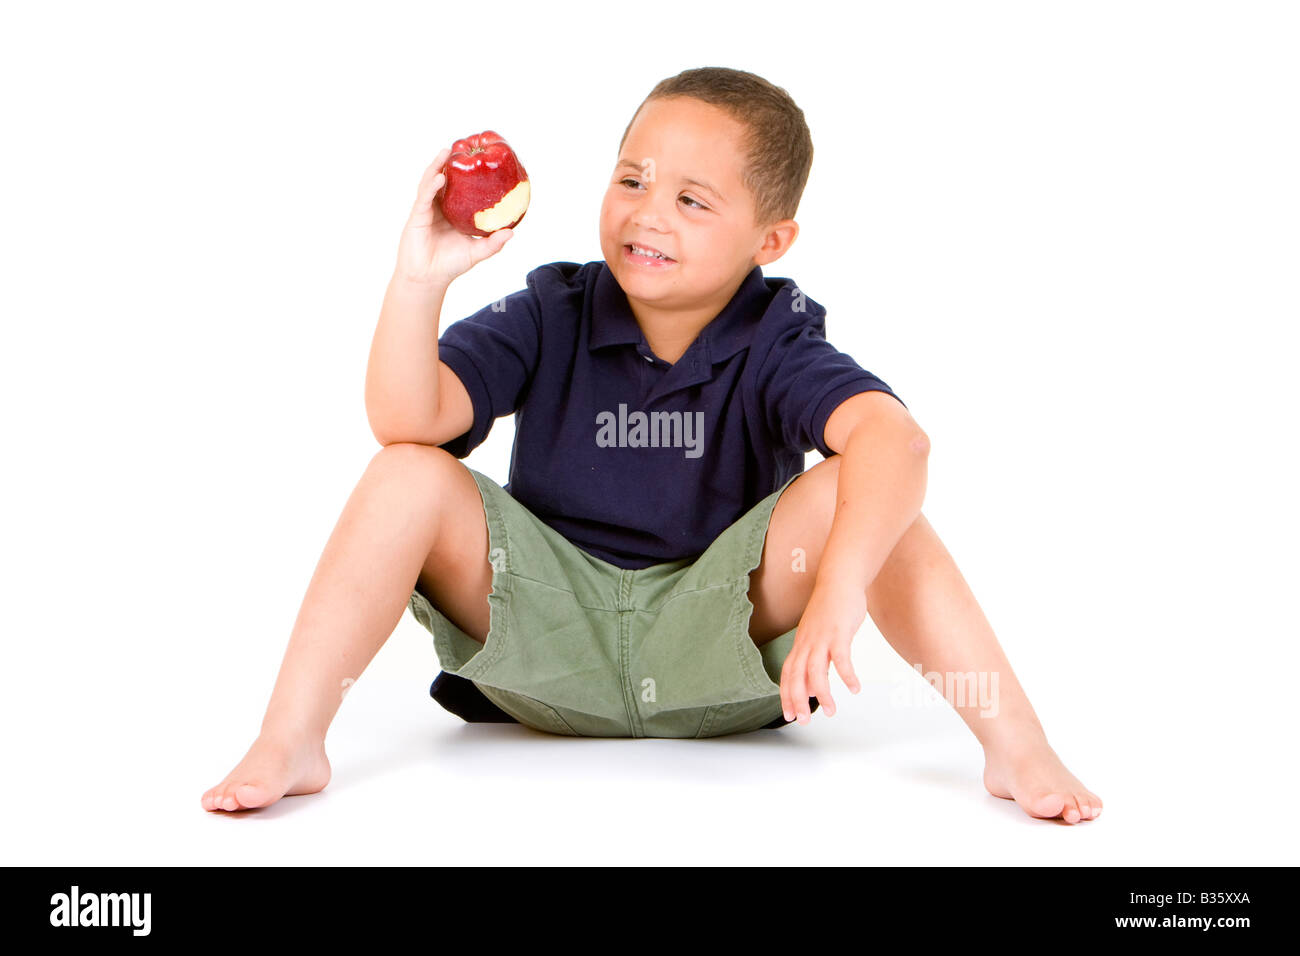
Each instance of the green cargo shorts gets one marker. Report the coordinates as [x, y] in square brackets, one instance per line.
[580, 647]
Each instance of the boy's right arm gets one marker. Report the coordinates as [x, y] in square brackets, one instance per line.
[411, 396]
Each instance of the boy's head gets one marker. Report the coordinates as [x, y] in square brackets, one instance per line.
[709, 172]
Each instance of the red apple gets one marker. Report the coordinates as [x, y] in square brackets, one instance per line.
[486, 187]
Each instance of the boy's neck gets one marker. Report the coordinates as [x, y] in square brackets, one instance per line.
[670, 332]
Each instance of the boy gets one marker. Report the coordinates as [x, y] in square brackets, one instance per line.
[647, 588]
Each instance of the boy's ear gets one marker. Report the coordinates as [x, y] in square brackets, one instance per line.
[777, 240]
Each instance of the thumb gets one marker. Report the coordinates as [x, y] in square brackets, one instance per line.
[491, 245]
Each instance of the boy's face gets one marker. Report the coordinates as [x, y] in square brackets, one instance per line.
[676, 187]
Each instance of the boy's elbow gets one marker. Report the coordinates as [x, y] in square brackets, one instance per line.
[895, 435]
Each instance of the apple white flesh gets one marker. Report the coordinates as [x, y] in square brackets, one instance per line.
[507, 210]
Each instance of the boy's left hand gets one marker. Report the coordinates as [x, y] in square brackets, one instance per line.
[826, 630]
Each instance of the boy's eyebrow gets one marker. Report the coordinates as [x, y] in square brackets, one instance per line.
[686, 179]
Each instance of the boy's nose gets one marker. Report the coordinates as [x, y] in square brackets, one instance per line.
[646, 218]
[650, 211]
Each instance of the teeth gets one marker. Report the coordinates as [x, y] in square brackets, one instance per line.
[646, 252]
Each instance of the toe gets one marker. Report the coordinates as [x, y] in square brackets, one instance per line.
[1047, 805]
[1071, 812]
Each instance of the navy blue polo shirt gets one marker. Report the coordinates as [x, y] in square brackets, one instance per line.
[635, 460]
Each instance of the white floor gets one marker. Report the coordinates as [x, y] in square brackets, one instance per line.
[106, 779]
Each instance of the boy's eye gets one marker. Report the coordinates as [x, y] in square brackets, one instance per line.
[635, 183]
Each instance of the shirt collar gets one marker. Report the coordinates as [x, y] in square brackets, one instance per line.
[730, 330]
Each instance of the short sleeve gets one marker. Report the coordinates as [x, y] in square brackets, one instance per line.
[804, 380]
[494, 353]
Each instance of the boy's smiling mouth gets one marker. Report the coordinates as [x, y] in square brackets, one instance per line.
[648, 256]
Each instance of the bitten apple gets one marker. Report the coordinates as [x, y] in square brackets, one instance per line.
[486, 187]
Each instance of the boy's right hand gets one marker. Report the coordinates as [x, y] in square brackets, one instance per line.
[432, 251]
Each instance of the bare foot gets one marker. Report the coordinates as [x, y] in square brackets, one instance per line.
[273, 768]
[1036, 779]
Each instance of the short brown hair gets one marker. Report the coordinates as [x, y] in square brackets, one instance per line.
[777, 146]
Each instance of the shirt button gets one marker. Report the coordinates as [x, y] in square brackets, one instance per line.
[648, 359]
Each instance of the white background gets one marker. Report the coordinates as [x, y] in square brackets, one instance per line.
[1065, 234]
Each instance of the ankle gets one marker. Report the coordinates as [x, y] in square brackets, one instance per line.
[290, 735]
[1009, 735]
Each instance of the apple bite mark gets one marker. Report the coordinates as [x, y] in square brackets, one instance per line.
[507, 212]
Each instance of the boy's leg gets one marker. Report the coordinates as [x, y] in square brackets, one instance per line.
[926, 611]
[415, 514]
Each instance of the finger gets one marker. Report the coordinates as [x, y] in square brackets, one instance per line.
[423, 211]
[844, 666]
[799, 689]
[429, 189]
[819, 682]
[433, 169]
[787, 708]
[436, 182]
[432, 181]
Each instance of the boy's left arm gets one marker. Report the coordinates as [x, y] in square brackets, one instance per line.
[881, 487]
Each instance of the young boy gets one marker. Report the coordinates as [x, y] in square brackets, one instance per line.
[688, 579]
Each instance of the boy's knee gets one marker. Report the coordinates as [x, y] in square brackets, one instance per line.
[817, 496]
[412, 459]
[826, 475]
